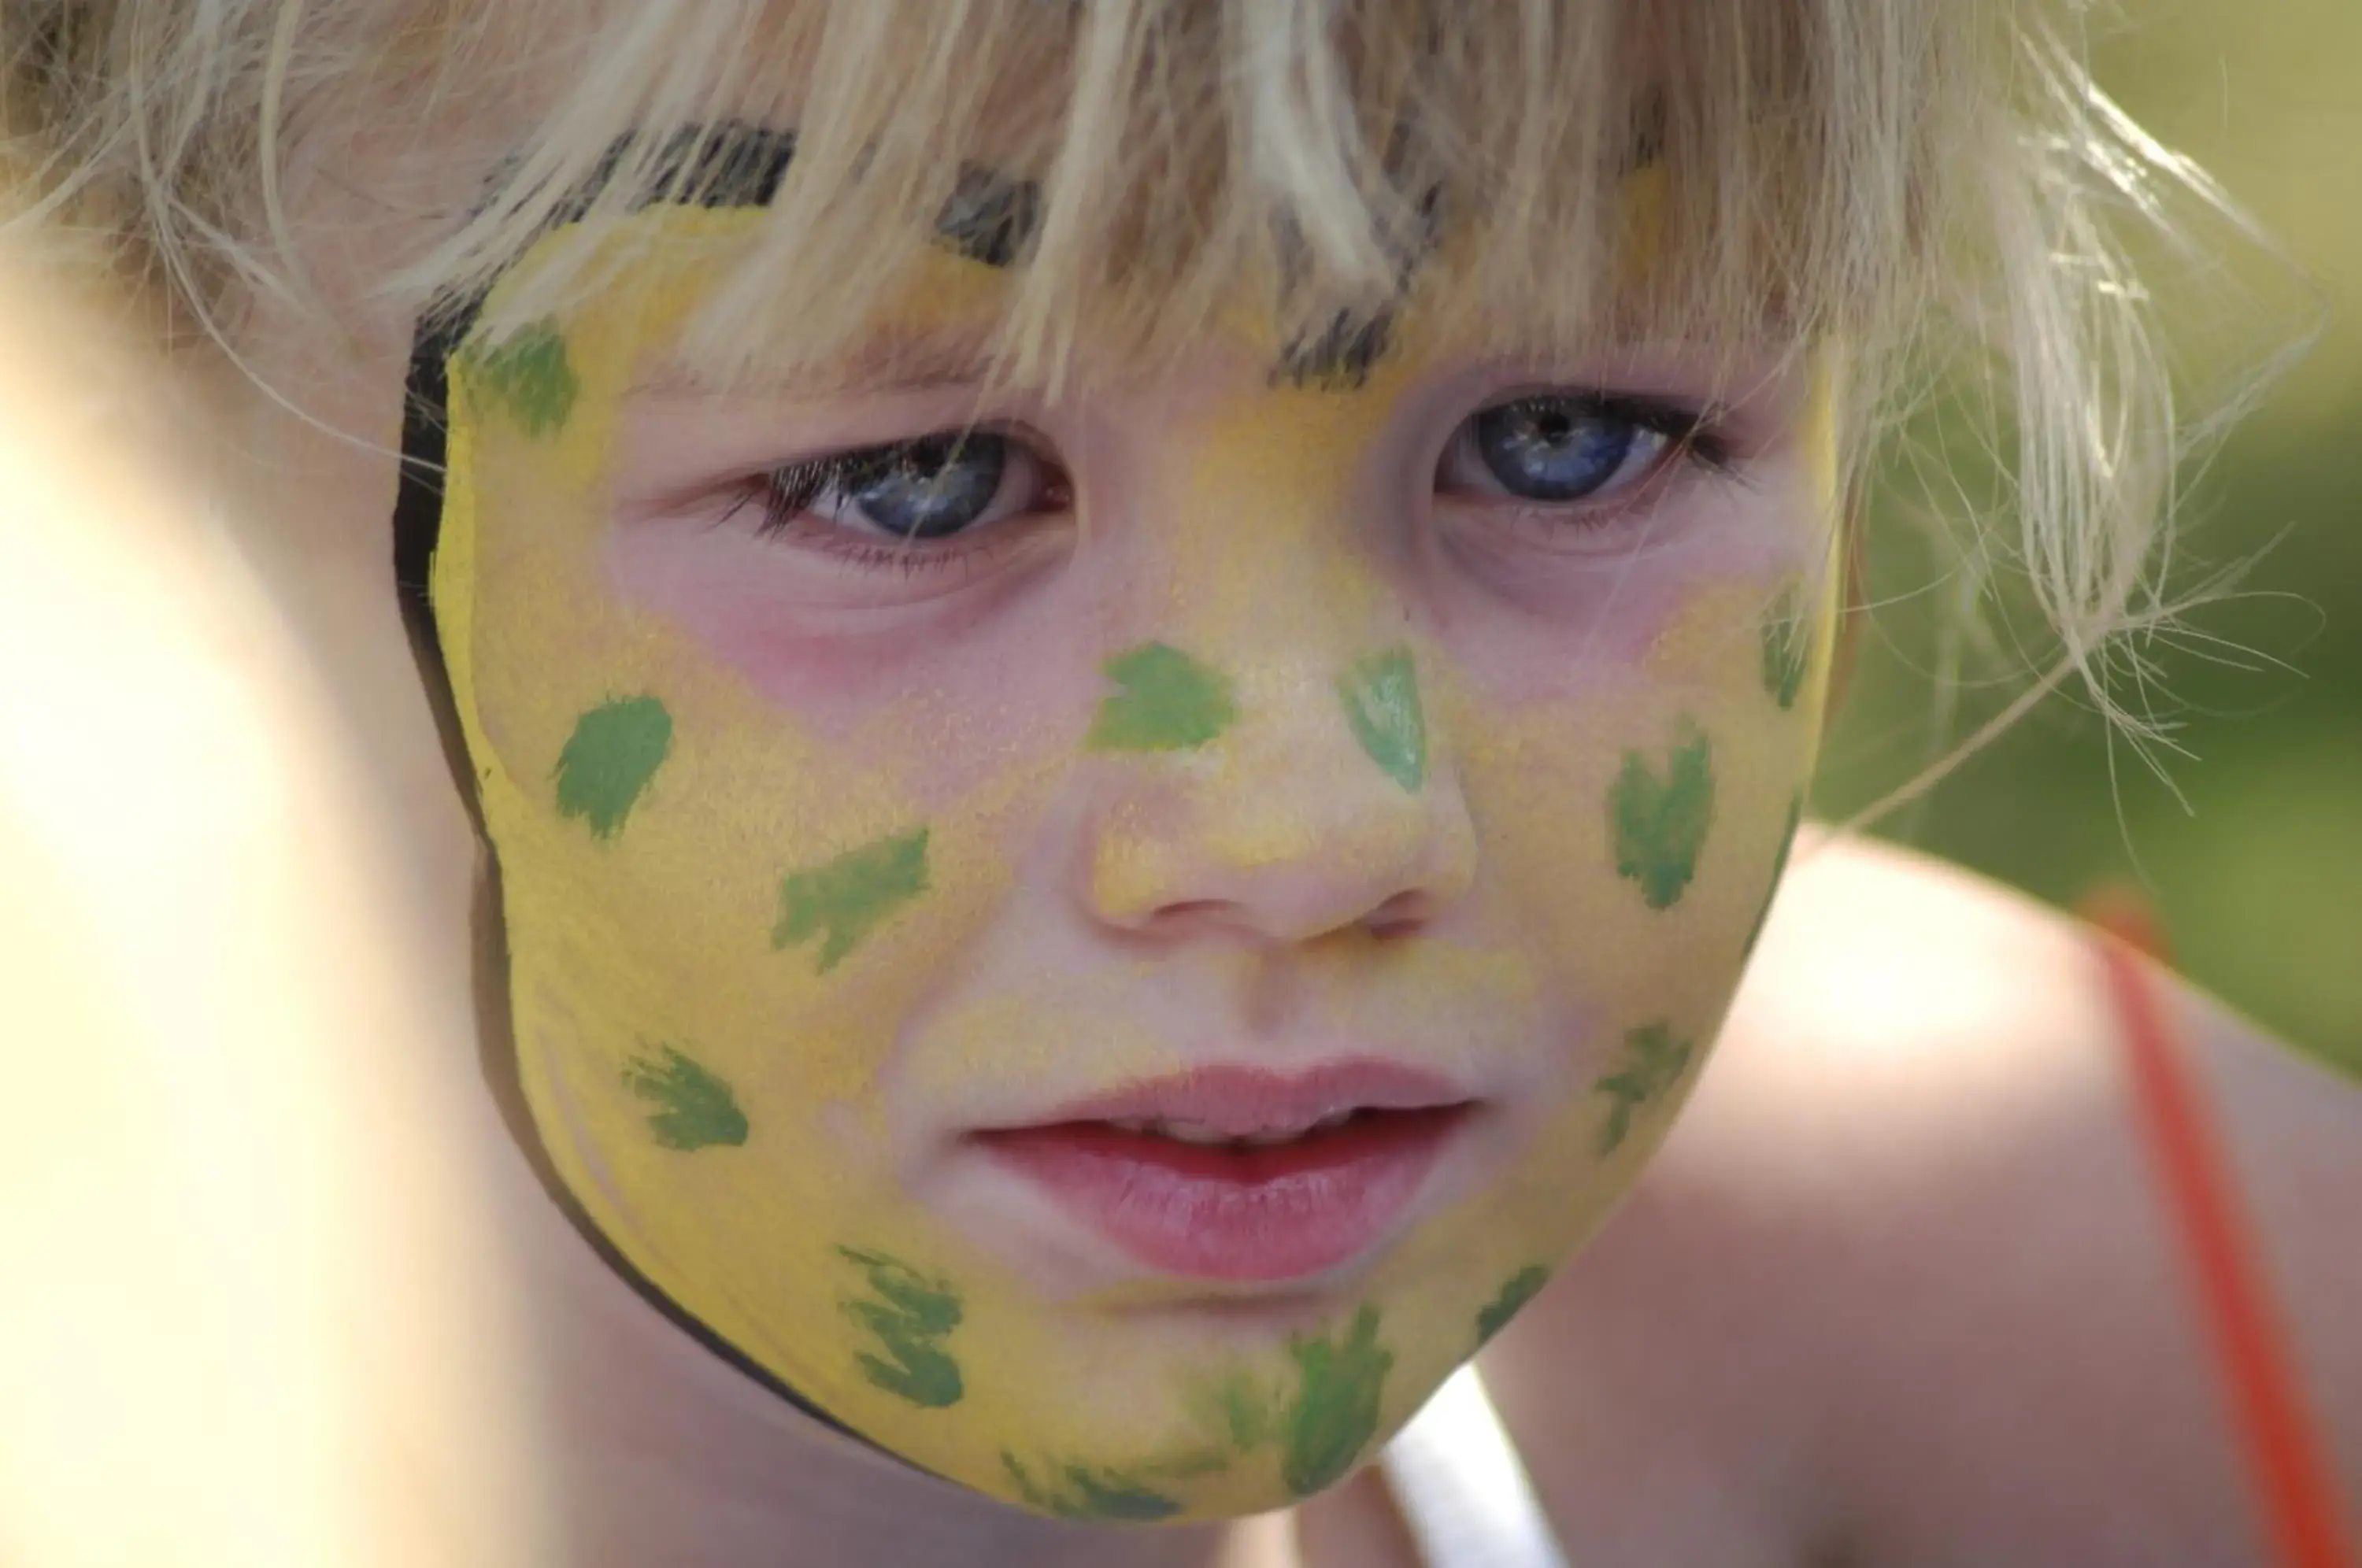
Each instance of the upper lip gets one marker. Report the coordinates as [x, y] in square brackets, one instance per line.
[1240, 1101]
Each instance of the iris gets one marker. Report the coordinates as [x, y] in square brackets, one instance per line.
[927, 489]
[1558, 449]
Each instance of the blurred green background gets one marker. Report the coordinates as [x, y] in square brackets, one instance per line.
[2253, 855]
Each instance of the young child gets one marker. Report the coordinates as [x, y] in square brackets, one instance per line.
[1084, 713]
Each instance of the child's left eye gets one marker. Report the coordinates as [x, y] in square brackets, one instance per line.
[1557, 448]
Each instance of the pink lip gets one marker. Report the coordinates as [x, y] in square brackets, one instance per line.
[1218, 1211]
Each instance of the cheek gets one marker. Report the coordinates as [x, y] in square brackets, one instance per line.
[989, 660]
[696, 862]
[1629, 809]
[1662, 599]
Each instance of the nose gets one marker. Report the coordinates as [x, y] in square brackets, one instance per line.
[1324, 799]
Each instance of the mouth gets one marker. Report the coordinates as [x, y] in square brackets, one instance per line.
[1239, 1175]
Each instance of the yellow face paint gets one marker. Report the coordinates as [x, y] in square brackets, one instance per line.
[1247, 790]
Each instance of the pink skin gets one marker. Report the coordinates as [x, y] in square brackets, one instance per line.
[1007, 641]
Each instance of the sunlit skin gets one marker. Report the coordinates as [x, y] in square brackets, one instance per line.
[1256, 730]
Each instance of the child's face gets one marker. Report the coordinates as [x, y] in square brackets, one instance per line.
[929, 875]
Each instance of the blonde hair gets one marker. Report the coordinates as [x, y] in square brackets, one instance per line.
[1930, 181]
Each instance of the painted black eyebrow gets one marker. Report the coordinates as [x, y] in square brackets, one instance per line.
[989, 218]
[733, 164]
[1339, 355]
[1650, 127]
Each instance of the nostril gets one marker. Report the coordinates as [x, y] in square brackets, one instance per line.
[1185, 912]
[1402, 915]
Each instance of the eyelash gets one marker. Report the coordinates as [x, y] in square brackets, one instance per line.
[1692, 434]
[1689, 431]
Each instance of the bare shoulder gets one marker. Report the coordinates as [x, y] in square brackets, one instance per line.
[1903, 1285]
[1963, 1014]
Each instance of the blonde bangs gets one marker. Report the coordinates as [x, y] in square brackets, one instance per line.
[1564, 176]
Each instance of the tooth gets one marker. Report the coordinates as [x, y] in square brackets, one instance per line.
[1265, 1140]
[1335, 1119]
[1190, 1132]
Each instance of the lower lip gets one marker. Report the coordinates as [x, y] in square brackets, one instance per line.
[1238, 1215]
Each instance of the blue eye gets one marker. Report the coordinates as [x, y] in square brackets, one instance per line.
[918, 492]
[927, 489]
[1557, 448]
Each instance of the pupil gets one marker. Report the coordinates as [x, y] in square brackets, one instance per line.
[1547, 450]
[931, 489]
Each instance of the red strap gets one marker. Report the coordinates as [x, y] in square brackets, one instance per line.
[2284, 1452]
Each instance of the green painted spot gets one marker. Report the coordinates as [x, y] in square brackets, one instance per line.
[1381, 698]
[694, 1110]
[1249, 1415]
[1335, 1411]
[1516, 1291]
[1654, 1062]
[529, 374]
[1779, 868]
[1079, 1492]
[845, 900]
[1168, 702]
[616, 750]
[909, 1316]
[1661, 818]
